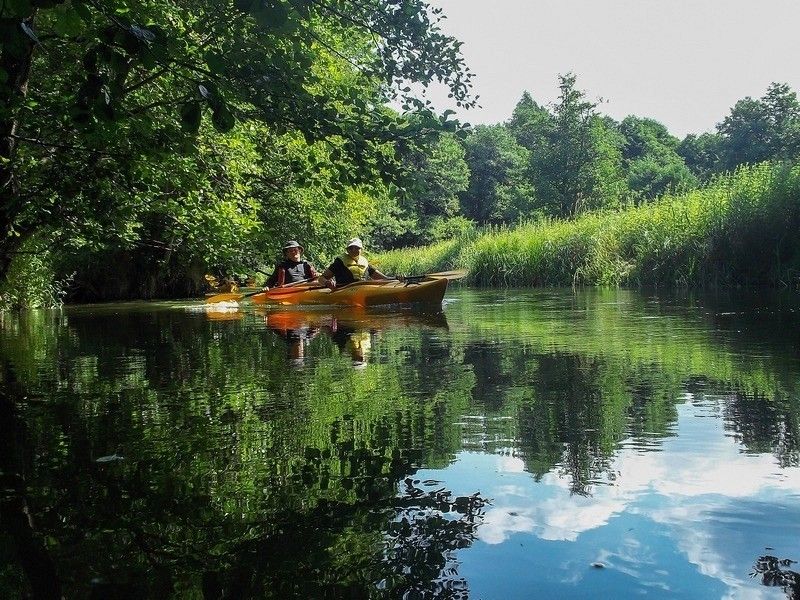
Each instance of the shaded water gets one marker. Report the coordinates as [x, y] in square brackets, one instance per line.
[519, 444]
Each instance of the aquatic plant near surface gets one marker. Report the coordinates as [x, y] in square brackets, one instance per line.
[738, 230]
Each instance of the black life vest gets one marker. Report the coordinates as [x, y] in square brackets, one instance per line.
[292, 272]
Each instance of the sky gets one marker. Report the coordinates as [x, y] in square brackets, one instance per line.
[684, 63]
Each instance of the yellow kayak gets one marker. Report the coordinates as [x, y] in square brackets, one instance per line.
[360, 293]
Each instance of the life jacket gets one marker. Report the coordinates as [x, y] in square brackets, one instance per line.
[291, 272]
[347, 269]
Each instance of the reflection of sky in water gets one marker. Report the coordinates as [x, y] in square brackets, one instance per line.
[688, 520]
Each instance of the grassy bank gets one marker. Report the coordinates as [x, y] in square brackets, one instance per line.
[742, 229]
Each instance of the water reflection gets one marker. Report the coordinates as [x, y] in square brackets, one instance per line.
[353, 330]
[507, 447]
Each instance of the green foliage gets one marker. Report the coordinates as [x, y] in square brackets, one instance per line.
[657, 174]
[498, 187]
[739, 230]
[576, 161]
[763, 129]
[575, 155]
[32, 280]
[435, 175]
[701, 153]
[128, 112]
[652, 162]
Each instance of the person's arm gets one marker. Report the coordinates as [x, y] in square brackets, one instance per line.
[281, 276]
[311, 272]
[326, 279]
[375, 274]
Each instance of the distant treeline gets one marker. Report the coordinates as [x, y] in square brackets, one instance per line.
[561, 161]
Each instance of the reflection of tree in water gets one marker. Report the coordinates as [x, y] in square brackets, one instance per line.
[319, 521]
[773, 572]
[765, 425]
[563, 422]
[400, 548]
[16, 515]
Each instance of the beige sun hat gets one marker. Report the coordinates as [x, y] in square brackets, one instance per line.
[355, 242]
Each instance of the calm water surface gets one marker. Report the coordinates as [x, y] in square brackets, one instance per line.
[518, 444]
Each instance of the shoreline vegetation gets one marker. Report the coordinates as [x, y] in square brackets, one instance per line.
[738, 230]
[148, 165]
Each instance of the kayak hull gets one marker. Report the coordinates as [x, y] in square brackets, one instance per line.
[361, 293]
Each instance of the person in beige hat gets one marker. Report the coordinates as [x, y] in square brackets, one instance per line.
[293, 269]
[350, 267]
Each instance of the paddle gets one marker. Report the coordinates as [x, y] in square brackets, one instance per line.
[449, 275]
[228, 296]
[408, 280]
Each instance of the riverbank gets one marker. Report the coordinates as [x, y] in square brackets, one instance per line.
[741, 229]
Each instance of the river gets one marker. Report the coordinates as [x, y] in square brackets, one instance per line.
[517, 444]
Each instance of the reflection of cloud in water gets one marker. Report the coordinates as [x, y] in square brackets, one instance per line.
[680, 469]
[699, 490]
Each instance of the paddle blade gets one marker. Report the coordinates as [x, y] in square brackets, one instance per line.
[224, 297]
[449, 275]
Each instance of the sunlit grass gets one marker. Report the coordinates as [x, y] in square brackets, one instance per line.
[739, 230]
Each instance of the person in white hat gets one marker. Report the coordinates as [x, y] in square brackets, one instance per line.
[350, 267]
[293, 269]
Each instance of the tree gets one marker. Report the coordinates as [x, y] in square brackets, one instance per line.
[581, 166]
[499, 190]
[763, 129]
[656, 174]
[125, 82]
[531, 124]
[701, 153]
[651, 159]
[645, 136]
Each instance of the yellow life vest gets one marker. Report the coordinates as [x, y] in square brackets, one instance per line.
[357, 266]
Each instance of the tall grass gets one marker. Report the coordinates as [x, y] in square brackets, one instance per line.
[741, 229]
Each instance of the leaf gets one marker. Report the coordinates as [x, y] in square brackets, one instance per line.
[191, 114]
[272, 15]
[223, 118]
[83, 11]
[216, 62]
[68, 22]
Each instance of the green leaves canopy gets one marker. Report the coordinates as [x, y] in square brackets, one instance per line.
[91, 90]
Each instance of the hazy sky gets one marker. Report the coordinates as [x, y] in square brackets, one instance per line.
[682, 62]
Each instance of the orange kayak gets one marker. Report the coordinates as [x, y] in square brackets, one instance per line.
[360, 293]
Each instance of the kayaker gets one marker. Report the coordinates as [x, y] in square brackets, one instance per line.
[293, 268]
[349, 267]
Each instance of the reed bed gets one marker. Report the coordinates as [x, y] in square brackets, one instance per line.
[741, 229]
